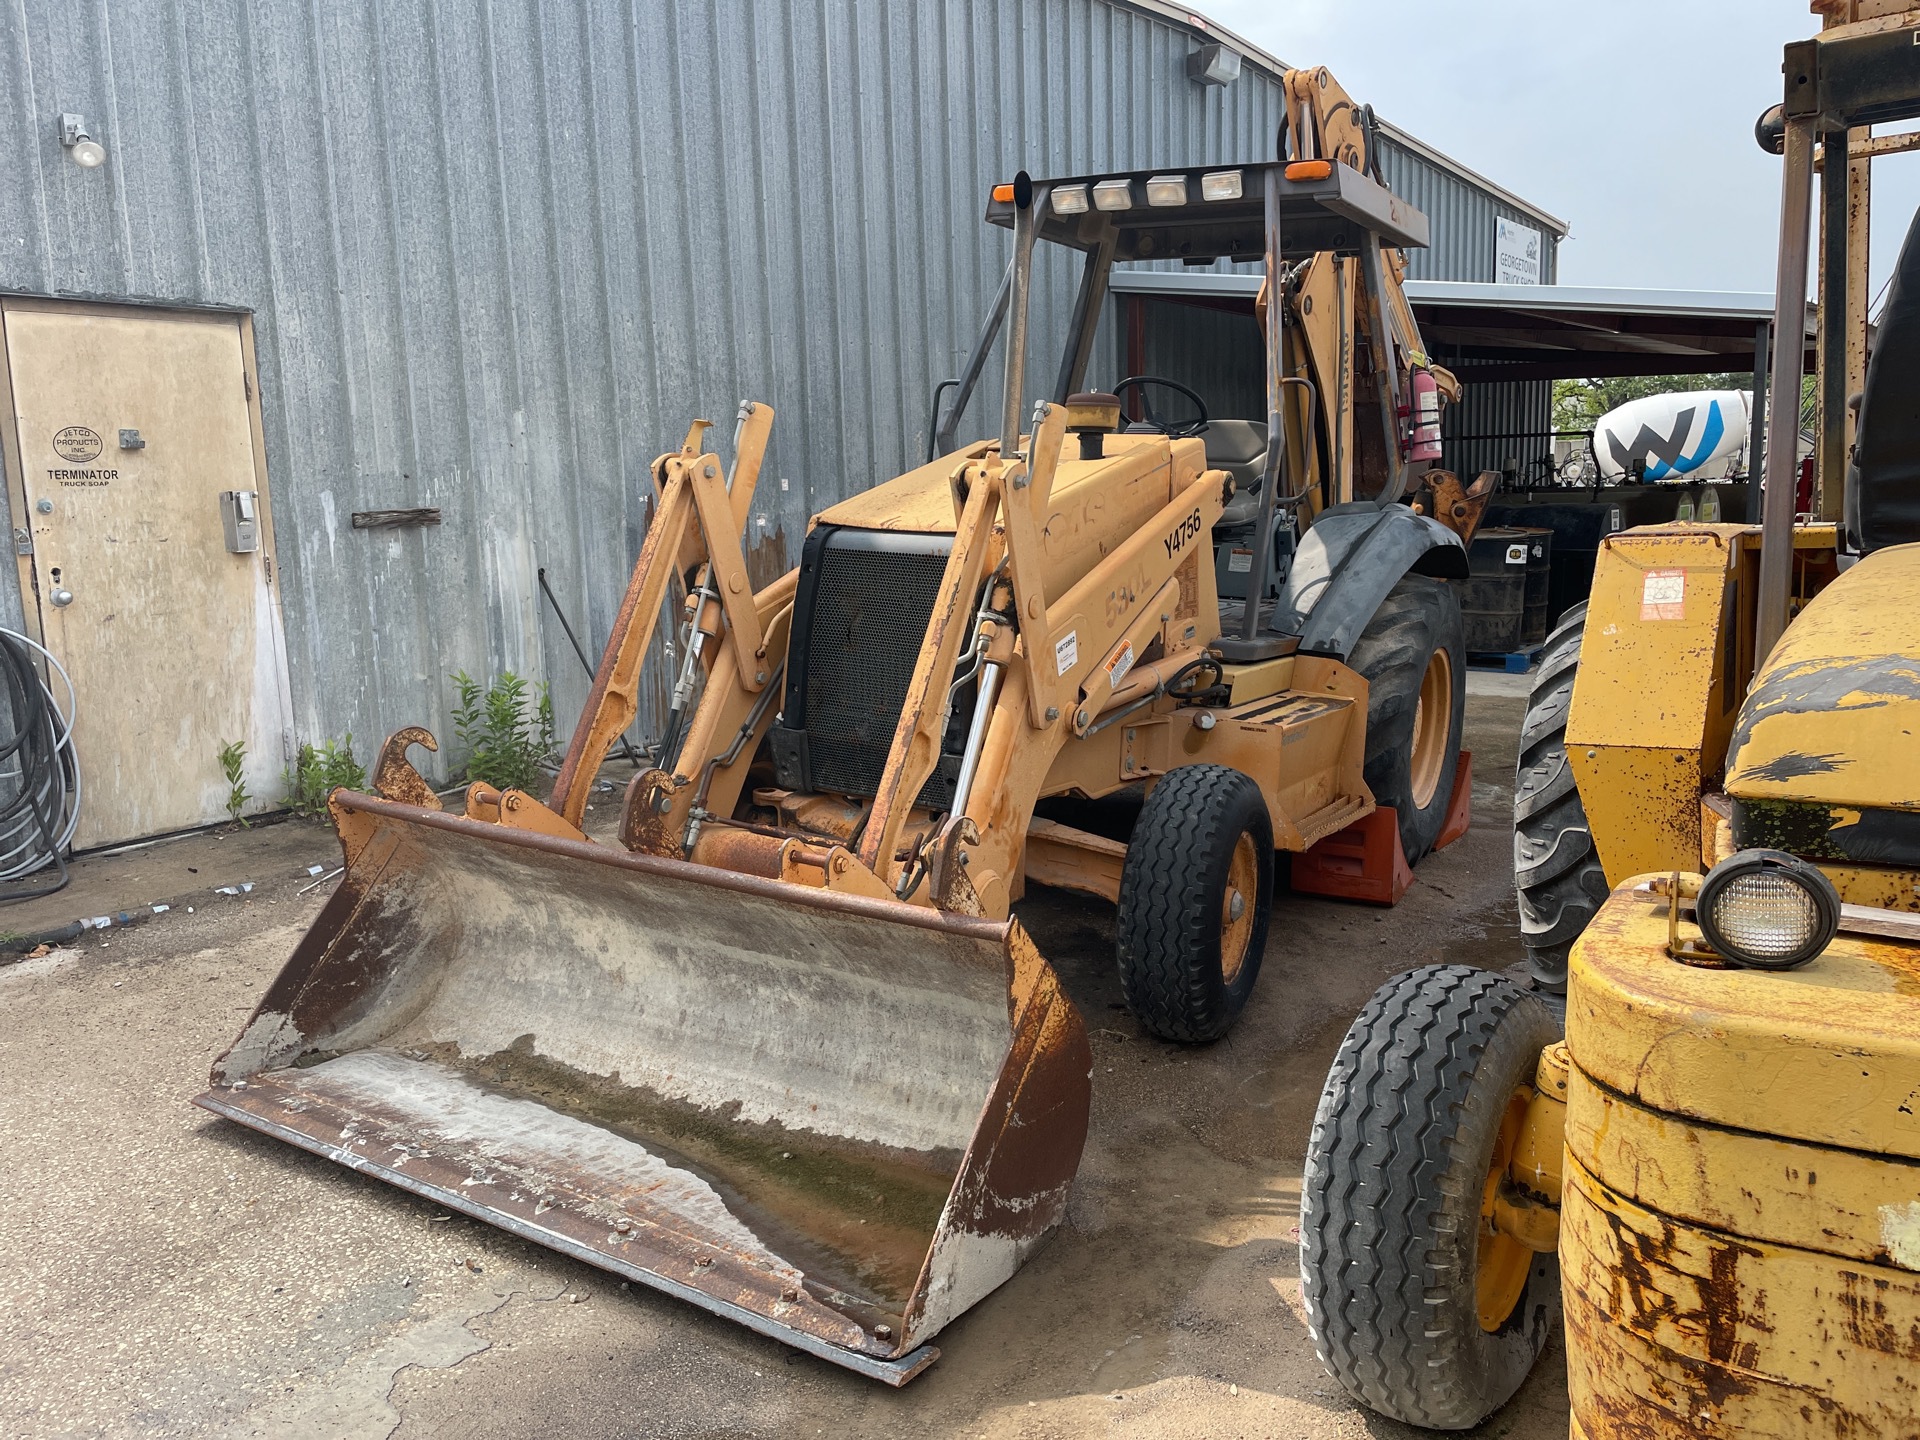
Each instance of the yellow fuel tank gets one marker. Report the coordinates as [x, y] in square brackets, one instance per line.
[1740, 1225]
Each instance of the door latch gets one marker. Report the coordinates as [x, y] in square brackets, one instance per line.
[239, 516]
[22, 540]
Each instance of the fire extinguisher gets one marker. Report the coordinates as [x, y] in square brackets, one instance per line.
[1426, 417]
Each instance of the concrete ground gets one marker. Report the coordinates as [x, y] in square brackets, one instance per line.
[166, 1273]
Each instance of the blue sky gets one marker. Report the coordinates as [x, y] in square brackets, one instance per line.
[1632, 120]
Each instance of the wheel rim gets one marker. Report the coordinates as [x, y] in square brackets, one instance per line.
[1432, 727]
[1500, 1277]
[1236, 919]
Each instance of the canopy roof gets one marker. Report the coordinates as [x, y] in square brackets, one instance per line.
[1331, 211]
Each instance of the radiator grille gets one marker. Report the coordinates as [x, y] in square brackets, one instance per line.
[869, 619]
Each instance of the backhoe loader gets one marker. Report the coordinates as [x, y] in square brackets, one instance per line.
[783, 1051]
[1715, 1176]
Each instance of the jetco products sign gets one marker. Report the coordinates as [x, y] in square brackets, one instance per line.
[1516, 254]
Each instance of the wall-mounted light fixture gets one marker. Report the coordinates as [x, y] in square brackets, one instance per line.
[82, 148]
[1213, 64]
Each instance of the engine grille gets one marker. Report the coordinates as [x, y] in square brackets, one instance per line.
[866, 619]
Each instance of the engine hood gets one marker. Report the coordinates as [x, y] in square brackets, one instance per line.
[1825, 758]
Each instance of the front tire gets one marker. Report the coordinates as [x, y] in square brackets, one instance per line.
[1555, 866]
[1196, 892]
[1416, 1307]
[1413, 654]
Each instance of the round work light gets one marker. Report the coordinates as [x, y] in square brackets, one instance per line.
[1768, 909]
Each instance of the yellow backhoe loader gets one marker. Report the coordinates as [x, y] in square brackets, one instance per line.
[783, 1052]
[1715, 1177]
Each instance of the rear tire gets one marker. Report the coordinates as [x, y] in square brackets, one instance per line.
[1413, 654]
[1189, 950]
[1555, 866]
[1392, 1244]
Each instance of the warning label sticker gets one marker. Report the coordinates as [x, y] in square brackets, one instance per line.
[1119, 665]
[1066, 651]
[1663, 595]
[1239, 562]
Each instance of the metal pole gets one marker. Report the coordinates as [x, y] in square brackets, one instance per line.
[976, 362]
[1831, 436]
[1757, 431]
[1276, 421]
[1026, 201]
[1783, 416]
[1086, 315]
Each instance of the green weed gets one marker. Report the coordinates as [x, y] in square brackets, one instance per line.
[505, 728]
[233, 759]
[317, 772]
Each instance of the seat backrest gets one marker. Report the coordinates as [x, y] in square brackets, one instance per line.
[1234, 442]
[1238, 447]
[1883, 486]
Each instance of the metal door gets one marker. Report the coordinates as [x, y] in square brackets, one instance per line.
[140, 489]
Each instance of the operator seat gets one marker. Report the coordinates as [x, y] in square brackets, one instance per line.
[1883, 491]
[1238, 447]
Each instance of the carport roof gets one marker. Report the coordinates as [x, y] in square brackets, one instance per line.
[1537, 332]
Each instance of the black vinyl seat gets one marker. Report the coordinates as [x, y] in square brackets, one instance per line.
[1238, 447]
[1883, 490]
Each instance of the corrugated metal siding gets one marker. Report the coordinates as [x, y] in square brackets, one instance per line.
[1462, 217]
[1497, 425]
[1218, 354]
[500, 253]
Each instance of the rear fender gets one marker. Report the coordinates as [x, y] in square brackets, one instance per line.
[1348, 561]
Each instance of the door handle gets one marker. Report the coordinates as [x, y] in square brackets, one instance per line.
[59, 596]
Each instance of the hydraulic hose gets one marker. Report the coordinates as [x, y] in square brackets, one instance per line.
[39, 777]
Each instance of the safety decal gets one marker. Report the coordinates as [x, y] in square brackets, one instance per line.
[1663, 595]
[1066, 651]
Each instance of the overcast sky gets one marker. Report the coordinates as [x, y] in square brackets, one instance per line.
[1631, 120]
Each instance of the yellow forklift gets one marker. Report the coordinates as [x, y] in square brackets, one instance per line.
[1714, 1179]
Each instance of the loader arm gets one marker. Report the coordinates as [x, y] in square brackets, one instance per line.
[698, 521]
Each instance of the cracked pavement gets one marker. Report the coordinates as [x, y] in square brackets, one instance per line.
[163, 1272]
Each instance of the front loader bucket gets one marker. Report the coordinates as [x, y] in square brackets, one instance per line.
[838, 1121]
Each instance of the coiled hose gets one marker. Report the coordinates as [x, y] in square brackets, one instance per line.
[39, 778]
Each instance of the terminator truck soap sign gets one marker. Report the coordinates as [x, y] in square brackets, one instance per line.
[77, 445]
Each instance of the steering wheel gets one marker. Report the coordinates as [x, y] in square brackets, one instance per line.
[1173, 430]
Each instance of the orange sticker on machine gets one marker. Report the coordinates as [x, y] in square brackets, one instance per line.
[1663, 595]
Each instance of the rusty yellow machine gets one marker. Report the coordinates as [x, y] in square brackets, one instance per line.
[782, 1051]
[1715, 1177]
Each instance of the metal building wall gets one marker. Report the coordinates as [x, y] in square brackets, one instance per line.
[1217, 353]
[500, 252]
[1462, 217]
[1498, 425]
